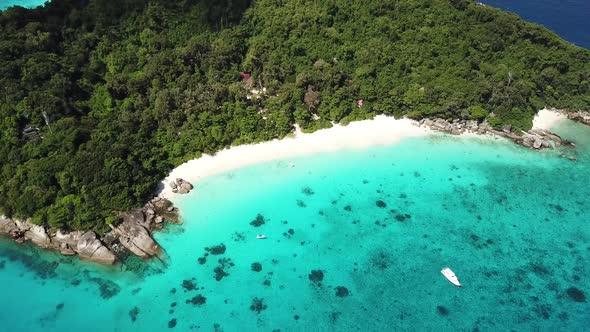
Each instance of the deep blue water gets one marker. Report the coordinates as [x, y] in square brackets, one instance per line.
[568, 18]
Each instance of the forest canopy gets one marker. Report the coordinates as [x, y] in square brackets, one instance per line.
[99, 99]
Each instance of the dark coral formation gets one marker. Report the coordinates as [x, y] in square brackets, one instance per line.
[443, 311]
[137, 265]
[348, 208]
[32, 261]
[238, 236]
[189, 285]
[307, 191]
[2, 264]
[106, 287]
[543, 310]
[316, 276]
[197, 300]
[258, 221]
[172, 323]
[475, 241]
[402, 217]
[59, 306]
[133, 313]
[342, 291]
[258, 305]
[220, 272]
[334, 315]
[202, 260]
[557, 207]
[380, 259]
[216, 250]
[256, 267]
[576, 294]
[381, 204]
[539, 269]
[301, 203]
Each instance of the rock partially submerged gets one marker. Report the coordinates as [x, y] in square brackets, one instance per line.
[91, 248]
[181, 186]
[132, 233]
[534, 138]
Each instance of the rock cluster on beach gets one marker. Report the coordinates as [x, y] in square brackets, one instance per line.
[131, 233]
[180, 186]
[534, 138]
[579, 116]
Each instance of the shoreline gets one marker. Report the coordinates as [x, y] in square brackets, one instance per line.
[381, 130]
[134, 232]
[547, 118]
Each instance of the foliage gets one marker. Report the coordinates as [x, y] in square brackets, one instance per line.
[132, 88]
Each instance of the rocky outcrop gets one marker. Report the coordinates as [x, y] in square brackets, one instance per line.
[534, 138]
[35, 233]
[67, 243]
[164, 210]
[579, 116]
[181, 186]
[89, 247]
[132, 233]
[7, 225]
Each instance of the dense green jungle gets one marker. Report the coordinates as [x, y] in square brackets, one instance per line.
[99, 99]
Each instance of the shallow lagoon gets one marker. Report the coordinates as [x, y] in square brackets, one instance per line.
[356, 241]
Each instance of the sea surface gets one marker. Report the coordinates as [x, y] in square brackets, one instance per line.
[356, 241]
[568, 18]
[23, 3]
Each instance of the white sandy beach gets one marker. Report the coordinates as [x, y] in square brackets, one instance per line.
[547, 118]
[382, 130]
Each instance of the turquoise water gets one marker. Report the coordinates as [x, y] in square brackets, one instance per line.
[376, 225]
[23, 3]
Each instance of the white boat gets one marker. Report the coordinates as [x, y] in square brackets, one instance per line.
[450, 275]
[261, 236]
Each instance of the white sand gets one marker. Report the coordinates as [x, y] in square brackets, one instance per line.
[547, 118]
[382, 130]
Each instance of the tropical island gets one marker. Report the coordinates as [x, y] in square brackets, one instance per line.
[101, 99]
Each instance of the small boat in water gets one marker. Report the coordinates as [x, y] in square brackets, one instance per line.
[450, 275]
[261, 236]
